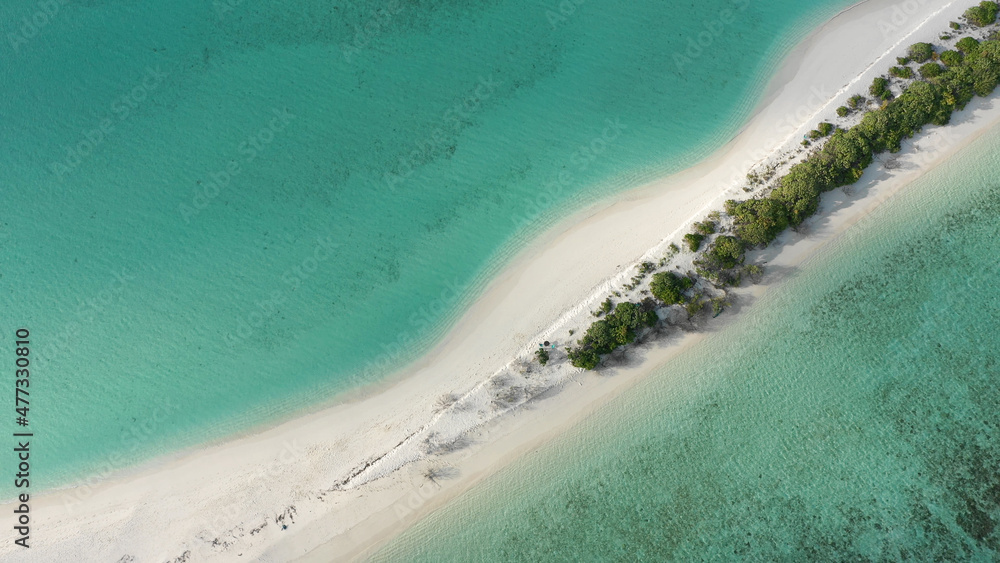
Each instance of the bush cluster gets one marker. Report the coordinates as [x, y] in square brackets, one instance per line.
[984, 14]
[848, 152]
[617, 329]
[840, 162]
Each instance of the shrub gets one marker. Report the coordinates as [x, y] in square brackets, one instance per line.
[669, 288]
[951, 58]
[921, 52]
[605, 308]
[856, 101]
[693, 241]
[618, 329]
[843, 111]
[825, 128]
[902, 61]
[880, 89]
[930, 70]
[901, 72]
[725, 253]
[955, 25]
[542, 355]
[581, 358]
[983, 15]
[754, 271]
[968, 45]
[758, 221]
[706, 227]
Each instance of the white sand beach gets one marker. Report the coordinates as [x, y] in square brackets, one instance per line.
[339, 482]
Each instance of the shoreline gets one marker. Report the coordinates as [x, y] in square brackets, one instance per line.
[302, 446]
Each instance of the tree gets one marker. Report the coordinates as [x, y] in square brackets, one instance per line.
[951, 58]
[542, 355]
[968, 45]
[581, 358]
[759, 221]
[983, 15]
[726, 252]
[931, 70]
[921, 52]
[880, 88]
[706, 227]
[616, 330]
[901, 72]
[693, 241]
[669, 288]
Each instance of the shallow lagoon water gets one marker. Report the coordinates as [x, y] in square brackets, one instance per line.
[219, 213]
[853, 413]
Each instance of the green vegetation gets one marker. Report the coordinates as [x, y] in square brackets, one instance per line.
[972, 70]
[669, 287]
[616, 330]
[706, 227]
[825, 128]
[930, 70]
[880, 89]
[955, 25]
[542, 355]
[902, 61]
[843, 111]
[968, 45]
[605, 308]
[754, 271]
[720, 259]
[901, 72]
[951, 58]
[693, 241]
[983, 15]
[718, 304]
[921, 52]
[758, 221]
[848, 152]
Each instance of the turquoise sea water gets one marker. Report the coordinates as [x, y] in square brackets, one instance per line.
[216, 213]
[853, 414]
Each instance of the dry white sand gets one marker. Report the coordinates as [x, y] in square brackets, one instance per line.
[336, 483]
